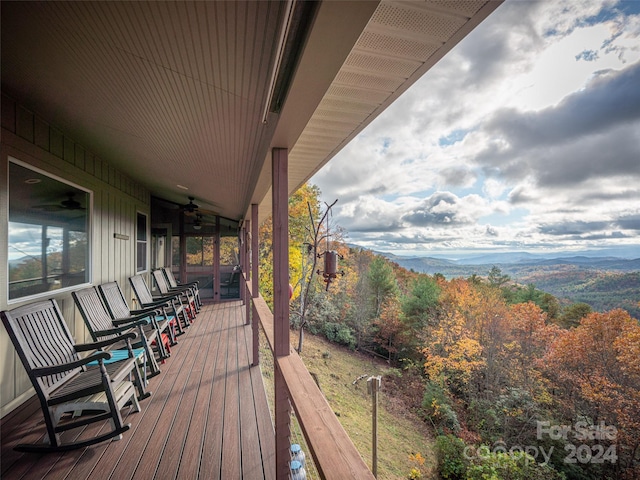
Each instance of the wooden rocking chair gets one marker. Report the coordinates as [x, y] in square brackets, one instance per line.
[65, 382]
[172, 302]
[186, 294]
[160, 320]
[101, 326]
[193, 286]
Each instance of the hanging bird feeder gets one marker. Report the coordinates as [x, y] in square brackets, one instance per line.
[330, 267]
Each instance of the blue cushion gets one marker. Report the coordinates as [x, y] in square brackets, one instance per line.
[117, 355]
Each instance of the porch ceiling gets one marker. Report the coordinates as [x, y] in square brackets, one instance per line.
[173, 93]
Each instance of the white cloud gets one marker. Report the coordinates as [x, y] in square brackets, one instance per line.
[526, 135]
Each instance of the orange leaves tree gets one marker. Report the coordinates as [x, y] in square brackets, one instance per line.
[595, 367]
[451, 353]
[532, 336]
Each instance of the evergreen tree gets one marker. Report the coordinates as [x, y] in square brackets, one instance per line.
[382, 282]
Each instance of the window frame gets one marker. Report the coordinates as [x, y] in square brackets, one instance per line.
[145, 242]
[89, 230]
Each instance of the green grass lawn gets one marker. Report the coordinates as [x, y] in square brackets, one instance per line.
[400, 432]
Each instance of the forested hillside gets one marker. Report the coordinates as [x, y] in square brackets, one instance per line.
[602, 283]
[513, 382]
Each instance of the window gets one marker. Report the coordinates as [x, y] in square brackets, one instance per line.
[48, 246]
[229, 251]
[200, 251]
[141, 243]
[175, 250]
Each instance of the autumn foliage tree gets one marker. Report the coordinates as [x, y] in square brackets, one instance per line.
[451, 353]
[595, 365]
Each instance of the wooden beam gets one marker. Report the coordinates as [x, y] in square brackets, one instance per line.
[280, 246]
[243, 262]
[246, 271]
[254, 250]
[216, 262]
[254, 280]
[280, 251]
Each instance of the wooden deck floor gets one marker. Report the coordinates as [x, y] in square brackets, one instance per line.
[207, 417]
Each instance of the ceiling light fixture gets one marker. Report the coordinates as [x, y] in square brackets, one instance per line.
[197, 224]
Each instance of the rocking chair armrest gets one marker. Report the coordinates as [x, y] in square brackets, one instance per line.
[180, 289]
[112, 331]
[158, 302]
[142, 311]
[83, 347]
[166, 296]
[63, 367]
[182, 295]
[132, 321]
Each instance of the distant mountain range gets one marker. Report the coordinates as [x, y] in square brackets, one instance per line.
[604, 282]
[510, 263]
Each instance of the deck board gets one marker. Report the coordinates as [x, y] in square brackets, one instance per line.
[231, 439]
[207, 417]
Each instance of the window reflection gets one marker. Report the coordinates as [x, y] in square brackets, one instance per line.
[48, 233]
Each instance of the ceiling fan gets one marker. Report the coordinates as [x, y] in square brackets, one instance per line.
[69, 204]
[191, 209]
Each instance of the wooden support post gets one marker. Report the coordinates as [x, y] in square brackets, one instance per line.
[254, 280]
[216, 262]
[242, 237]
[254, 250]
[255, 325]
[283, 417]
[182, 273]
[373, 386]
[246, 270]
[280, 252]
[281, 348]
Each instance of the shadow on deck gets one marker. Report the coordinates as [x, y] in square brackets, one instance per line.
[207, 417]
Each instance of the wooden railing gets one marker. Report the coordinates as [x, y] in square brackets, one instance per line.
[334, 454]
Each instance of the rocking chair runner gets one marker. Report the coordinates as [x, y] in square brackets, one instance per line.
[162, 323]
[171, 303]
[63, 381]
[102, 326]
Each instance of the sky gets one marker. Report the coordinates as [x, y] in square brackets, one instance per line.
[524, 137]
